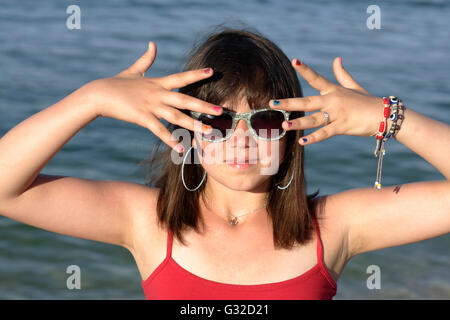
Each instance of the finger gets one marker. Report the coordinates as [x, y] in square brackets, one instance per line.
[177, 117]
[144, 62]
[307, 122]
[184, 101]
[321, 134]
[316, 81]
[308, 104]
[344, 78]
[182, 79]
[160, 130]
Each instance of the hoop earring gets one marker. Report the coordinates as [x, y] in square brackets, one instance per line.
[290, 180]
[282, 188]
[182, 173]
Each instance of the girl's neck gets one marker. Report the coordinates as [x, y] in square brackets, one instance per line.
[246, 205]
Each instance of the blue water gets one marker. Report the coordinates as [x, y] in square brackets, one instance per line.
[42, 61]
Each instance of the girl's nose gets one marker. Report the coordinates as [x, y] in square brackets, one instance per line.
[241, 132]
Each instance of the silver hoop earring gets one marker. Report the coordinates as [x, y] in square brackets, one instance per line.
[290, 180]
[182, 172]
[282, 188]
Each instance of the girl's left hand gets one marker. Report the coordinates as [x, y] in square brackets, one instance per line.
[351, 109]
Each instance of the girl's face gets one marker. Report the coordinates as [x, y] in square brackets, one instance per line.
[241, 162]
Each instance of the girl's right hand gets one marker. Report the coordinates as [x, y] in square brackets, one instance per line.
[131, 97]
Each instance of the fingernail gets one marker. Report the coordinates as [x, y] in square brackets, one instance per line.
[276, 102]
[304, 140]
[206, 129]
[289, 124]
[217, 109]
[340, 60]
[207, 70]
[179, 148]
[297, 62]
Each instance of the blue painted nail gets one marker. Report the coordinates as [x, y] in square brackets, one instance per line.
[305, 140]
[276, 102]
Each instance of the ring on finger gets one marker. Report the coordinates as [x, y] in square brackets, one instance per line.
[327, 117]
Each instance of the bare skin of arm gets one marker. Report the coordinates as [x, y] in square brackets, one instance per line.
[67, 205]
[404, 213]
[95, 210]
[368, 219]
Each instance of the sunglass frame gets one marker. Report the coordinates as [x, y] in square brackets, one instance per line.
[244, 116]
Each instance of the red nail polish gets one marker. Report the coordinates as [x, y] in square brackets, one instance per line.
[217, 109]
[297, 62]
[207, 70]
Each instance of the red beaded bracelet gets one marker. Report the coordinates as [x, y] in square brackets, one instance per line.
[380, 135]
[391, 108]
[382, 127]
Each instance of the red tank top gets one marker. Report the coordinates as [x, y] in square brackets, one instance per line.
[170, 281]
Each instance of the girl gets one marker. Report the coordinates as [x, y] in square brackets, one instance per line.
[229, 217]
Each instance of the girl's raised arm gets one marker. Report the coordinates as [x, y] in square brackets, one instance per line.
[95, 210]
[374, 219]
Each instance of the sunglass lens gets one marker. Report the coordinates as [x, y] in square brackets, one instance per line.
[267, 124]
[220, 125]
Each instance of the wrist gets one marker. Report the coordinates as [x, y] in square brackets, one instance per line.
[379, 118]
[388, 122]
[88, 98]
[396, 117]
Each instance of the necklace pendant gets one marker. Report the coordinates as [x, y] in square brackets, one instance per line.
[233, 220]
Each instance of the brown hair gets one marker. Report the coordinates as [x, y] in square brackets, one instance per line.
[245, 64]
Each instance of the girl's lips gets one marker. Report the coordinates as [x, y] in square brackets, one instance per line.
[240, 162]
[244, 161]
[240, 165]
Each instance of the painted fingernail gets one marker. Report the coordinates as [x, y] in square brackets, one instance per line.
[217, 109]
[179, 148]
[298, 62]
[276, 102]
[206, 129]
[304, 140]
[207, 70]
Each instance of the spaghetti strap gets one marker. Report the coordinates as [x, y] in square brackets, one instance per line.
[169, 244]
[320, 258]
[319, 242]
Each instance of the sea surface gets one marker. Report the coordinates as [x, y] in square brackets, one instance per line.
[42, 61]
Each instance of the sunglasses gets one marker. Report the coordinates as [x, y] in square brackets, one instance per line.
[264, 124]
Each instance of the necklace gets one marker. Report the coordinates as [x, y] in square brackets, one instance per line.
[232, 219]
